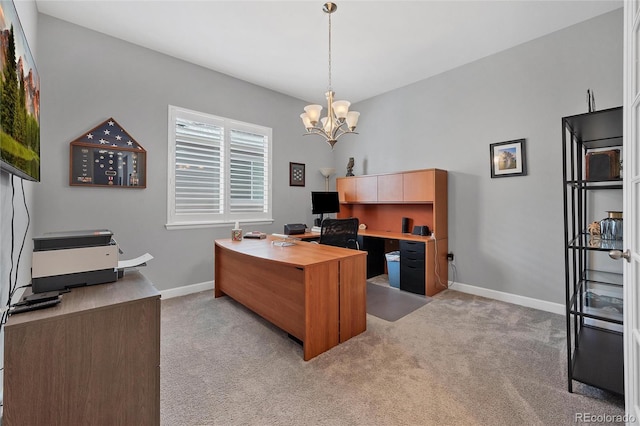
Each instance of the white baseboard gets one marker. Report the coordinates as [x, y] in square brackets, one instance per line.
[187, 289]
[543, 305]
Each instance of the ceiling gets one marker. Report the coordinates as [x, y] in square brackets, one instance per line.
[377, 46]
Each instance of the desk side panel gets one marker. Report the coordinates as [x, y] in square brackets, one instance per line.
[272, 290]
[353, 297]
[322, 308]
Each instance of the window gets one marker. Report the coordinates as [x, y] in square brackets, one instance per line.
[219, 170]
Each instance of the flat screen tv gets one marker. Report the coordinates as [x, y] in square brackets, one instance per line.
[324, 202]
[19, 99]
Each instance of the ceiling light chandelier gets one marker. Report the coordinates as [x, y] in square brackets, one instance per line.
[339, 119]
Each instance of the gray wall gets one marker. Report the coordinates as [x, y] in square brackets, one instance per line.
[506, 233]
[88, 77]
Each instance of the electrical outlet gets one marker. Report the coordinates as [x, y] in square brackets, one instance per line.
[450, 257]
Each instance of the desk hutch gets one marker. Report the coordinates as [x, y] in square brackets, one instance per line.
[381, 202]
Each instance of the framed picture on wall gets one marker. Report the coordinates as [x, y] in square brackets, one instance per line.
[107, 156]
[508, 158]
[296, 174]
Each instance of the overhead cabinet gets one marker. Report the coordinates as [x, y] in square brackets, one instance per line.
[418, 186]
[406, 187]
[390, 188]
[367, 189]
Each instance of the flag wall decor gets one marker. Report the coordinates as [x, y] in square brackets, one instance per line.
[107, 156]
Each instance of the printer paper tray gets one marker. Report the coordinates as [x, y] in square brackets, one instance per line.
[61, 282]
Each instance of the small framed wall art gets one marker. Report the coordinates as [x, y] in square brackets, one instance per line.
[508, 158]
[296, 174]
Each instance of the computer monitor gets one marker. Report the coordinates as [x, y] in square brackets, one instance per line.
[324, 202]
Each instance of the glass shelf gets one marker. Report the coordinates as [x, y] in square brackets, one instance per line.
[603, 277]
[596, 184]
[585, 241]
[597, 305]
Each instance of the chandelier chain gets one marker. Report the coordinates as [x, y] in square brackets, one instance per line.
[330, 52]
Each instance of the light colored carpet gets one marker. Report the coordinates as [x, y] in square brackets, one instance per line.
[459, 360]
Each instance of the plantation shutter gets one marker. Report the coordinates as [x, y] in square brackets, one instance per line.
[219, 171]
[249, 162]
[199, 172]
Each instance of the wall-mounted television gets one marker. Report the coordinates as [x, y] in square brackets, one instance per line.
[19, 99]
[324, 202]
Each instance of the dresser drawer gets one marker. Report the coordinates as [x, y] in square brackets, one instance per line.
[411, 262]
[412, 247]
[412, 277]
[411, 252]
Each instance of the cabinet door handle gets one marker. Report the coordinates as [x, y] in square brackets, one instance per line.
[617, 255]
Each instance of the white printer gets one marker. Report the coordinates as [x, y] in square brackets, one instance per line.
[63, 260]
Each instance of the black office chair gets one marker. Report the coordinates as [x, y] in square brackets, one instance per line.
[340, 232]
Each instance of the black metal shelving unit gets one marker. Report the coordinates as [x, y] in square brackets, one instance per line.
[594, 319]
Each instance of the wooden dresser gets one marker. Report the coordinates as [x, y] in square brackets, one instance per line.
[93, 359]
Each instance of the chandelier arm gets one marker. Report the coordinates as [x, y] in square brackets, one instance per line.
[317, 131]
[343, 131]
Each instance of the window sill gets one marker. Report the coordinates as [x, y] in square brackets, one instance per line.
[226, 224]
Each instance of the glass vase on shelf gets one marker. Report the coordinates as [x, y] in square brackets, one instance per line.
[611, 226]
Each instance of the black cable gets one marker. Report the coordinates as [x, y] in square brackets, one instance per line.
[13, 214]
[13, 286]
[26, 230]
[5, 314]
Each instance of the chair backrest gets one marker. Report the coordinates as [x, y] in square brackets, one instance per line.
[340, 232]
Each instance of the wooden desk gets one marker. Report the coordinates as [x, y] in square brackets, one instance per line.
[314, 292]
[92, 359]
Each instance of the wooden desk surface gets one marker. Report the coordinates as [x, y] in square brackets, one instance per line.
[131, 287]
[301, 254]
[393, 235]
[93, 359]
[371, 233]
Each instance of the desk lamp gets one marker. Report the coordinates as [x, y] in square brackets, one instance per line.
[327, 172]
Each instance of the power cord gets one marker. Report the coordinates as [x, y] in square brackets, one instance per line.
[13, 278]
[13, 214]
[437, 264]
[455, 272]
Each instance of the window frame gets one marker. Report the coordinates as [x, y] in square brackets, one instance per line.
[190, 221]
